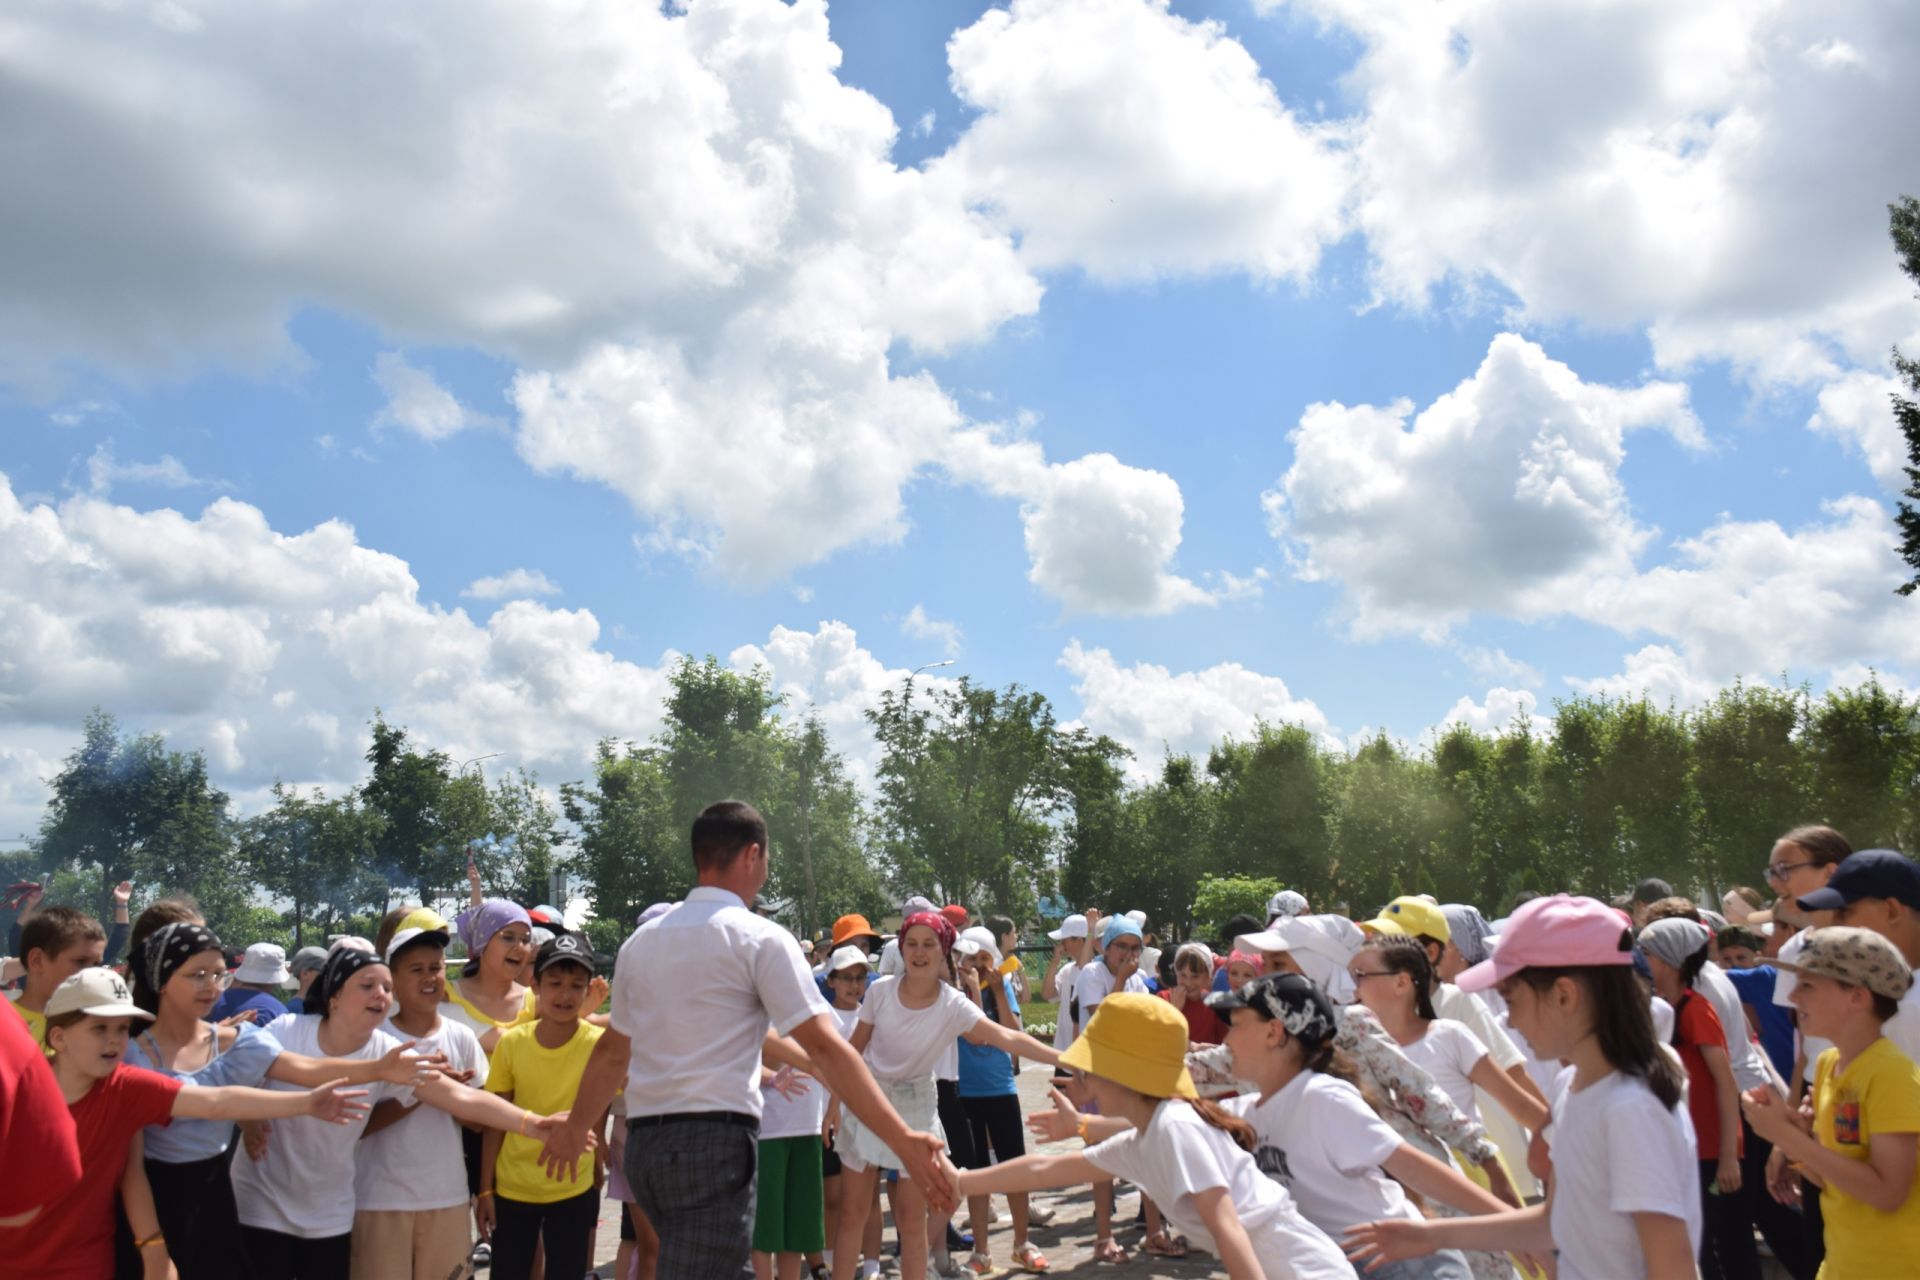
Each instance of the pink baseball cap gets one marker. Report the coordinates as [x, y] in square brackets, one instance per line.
[1559, 932]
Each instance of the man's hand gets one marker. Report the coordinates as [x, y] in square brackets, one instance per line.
[1058, 1124]
[253, 1136]
[922, 1157]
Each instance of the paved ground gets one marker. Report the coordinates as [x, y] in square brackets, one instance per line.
[1067, 1242]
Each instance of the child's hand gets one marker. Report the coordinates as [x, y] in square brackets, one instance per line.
[1726, 1175]
[1177, 996]
[1374, 1244]
[597, 992]
[1783, 1184]
[1057, 1125]
[402, 1066]
[253, 1136]
[244, 1016]
[123, 893]
[970, 980]
[788, 1083]
[483, 1215]
[1766, 1113]
[336, 1105]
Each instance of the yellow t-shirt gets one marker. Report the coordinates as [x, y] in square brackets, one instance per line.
[36, 1024]
[1879, 1092]
[543, 1081]
[477, 1020]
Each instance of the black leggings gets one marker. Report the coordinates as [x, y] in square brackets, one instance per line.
[1727, 1250]
[953, 1118]
[286, 1257]
[997, 1129]
[195, 1204]
[1782, 1226]
[518, 1228]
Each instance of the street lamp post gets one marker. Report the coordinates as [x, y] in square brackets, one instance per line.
[931, 666]
[491, 755]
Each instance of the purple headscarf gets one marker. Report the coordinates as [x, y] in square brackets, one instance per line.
[477, 925]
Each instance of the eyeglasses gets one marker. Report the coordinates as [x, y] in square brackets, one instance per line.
[218, 978]
[1357, 974]
[1779, 871]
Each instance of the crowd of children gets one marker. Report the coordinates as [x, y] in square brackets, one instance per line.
[1582, 1089]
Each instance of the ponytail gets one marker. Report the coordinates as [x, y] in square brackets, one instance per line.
[1243, 1134]
[1622, 1024]
[1409, 956]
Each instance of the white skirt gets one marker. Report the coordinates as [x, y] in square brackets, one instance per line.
[917, 1101]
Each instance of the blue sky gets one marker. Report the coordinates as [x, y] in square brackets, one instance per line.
[1349, 208]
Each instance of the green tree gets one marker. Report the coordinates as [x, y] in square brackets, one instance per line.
[1863, 744]
[632, 849]
[1751, 772]
[817, 828]
[1384, 820]
[970, 784]
[317, 853]
[721, 739]
[429, 817]
[127, 808]
[1218, 899]
[519, 854]
[1276, 797]
[1094, 834]
[1649, 768]
[1903, 224]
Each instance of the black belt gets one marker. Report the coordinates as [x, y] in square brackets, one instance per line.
[735, 1118]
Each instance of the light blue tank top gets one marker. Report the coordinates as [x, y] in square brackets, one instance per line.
[245, 1062]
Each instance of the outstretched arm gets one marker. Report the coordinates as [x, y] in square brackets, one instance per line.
[1007, 1040]
[328, 1102]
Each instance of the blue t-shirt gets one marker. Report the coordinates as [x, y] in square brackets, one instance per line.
[986, 1072]
[1220, 979]
[239, 999]
[1776, 1021]
[244, 1063]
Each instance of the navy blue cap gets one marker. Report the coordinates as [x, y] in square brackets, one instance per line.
[1870, 873]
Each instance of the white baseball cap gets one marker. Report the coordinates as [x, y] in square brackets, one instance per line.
[265, 962]
[1138, 917]
[99, 992]
[977, 939]
[846, 957]
[442, 936]
[1074, 926]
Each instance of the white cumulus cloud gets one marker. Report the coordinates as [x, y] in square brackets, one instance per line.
[1153, 710]
[919, 625]
[514, 584]
[417, 402]
[1503, 495]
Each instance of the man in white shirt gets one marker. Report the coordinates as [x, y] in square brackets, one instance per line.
[694, 995]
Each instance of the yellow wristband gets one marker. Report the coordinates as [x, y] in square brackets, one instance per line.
[155, 1238]
[1083, 1129]
[524, 1117]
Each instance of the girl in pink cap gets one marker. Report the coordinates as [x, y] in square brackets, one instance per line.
[1625, 1199]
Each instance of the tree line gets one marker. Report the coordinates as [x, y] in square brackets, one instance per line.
[980, 796]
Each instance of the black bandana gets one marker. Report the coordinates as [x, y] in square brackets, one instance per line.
[342, 963]
[171, 946]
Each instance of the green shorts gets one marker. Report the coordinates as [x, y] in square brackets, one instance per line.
[790, 1206]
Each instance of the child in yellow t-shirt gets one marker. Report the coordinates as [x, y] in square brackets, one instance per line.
[1865, 1141]
[538, 1065]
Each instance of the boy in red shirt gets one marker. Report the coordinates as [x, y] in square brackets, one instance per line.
[88, 1021]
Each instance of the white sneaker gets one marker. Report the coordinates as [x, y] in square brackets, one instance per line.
[1041, 1215]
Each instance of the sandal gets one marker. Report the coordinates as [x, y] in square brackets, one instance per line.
[1163, 1245]
[980, 1264]
[1030, 1258]
[1110, 1250]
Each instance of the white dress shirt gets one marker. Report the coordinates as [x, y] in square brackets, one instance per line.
[695, 991]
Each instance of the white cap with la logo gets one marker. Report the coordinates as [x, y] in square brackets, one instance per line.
[101, 993]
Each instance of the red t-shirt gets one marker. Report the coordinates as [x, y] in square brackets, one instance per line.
[38, 1148]
[1696, 1024]
[1203, 1024]
[73, 1239]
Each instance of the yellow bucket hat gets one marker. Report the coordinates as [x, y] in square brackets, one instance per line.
[1409, 918]
[1137, 1041]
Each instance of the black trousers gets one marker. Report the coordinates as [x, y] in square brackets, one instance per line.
[565, 1225]
[286, 1257]
[1727, 1251]
[197, 1215]
[695, 1181]
[1782, 1226]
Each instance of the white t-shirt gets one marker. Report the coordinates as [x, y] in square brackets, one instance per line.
[1617, 1152]
[1321, 1141]
[784, 1117]
[1094, 983]
[1471, 1012]
[694, 991]
[891, 964]
[1448, 1052]
[1662, 1020]
[1063, 988]
[415, 1164]
[846, 1019]
[1179, 1154]
[300, 1187]
[1743, 1054]
[907, 1044]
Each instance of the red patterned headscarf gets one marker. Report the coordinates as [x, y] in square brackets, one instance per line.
[936, 922]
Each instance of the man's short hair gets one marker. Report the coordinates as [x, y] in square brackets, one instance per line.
[56, 929]
[722, 830]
